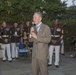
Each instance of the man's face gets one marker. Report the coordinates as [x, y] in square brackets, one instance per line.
[36, 19]
[56, 22]
[15, 24]
[4, 24]
[28, 23]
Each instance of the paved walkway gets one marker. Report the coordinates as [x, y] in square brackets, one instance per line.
[22, 66]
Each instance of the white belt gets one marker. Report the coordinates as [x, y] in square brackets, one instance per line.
[5, 36]
[55, 35]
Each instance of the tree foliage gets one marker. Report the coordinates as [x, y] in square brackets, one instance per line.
[21, 10]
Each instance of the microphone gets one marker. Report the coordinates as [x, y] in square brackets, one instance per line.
[33, 25]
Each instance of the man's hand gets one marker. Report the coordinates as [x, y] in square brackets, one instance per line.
[33, 35]
[6, 40]
[15, 35]
[0, 37]
[31, 30]
[54, 41]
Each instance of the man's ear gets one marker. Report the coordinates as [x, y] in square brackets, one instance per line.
[40, 18]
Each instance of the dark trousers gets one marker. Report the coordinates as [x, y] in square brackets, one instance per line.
[39, 66]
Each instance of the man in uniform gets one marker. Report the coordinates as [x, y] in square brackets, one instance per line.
[5, 34]
[27, 28]
[15, 38]
[57, 35]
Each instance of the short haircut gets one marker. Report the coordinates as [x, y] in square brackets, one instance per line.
[39, 13]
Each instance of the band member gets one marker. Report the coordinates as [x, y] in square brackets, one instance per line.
[15, 38]
[57, 36]
[5, 34]
[27, 28]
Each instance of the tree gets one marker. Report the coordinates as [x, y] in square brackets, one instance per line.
[21, 10]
